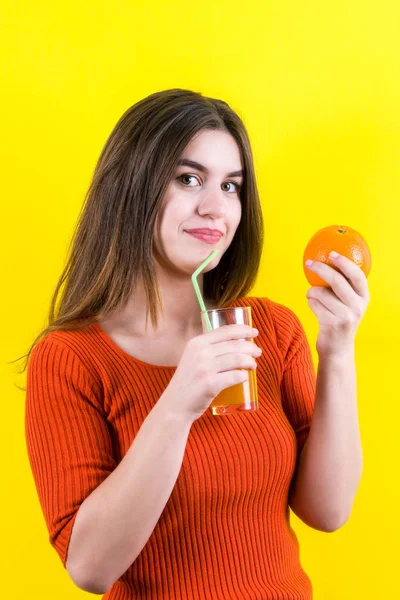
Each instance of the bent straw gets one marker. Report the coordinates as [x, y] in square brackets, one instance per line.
[197, 289]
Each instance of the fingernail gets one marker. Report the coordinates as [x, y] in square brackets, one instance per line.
[333, 255]
[309, 263]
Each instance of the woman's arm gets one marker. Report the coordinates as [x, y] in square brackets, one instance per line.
[330, 465]
[100, 514]
[116, 520]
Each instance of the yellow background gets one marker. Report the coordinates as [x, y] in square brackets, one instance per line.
[318, 86]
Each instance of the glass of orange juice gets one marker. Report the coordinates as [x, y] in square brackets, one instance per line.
[241, 396]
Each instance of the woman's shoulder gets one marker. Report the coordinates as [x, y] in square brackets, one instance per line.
[268, 308]
[70, 349]
[74, 339]
[268, 314]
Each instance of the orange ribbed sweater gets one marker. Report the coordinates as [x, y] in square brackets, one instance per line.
[225, 532]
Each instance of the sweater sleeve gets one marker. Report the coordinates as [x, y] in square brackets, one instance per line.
[298, 385]
[68, 442]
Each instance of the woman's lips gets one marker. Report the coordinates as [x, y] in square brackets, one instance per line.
[209, 239]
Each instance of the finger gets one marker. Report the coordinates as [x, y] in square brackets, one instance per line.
[231, 362]
[231, 332]
[321, 312]
[328, 298]
[344, 271]
[237, 346]
[354, 275]
[338, 282]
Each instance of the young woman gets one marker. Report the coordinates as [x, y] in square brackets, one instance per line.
[145, 493]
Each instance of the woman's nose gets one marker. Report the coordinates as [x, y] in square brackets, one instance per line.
[213, 204]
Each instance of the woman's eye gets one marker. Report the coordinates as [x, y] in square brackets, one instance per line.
[236, 186]
[185, 179]
[182, 177]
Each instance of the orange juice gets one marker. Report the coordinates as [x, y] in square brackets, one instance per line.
[241, 397]
[237, 398]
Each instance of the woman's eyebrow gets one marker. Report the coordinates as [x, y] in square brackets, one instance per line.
[195, 165]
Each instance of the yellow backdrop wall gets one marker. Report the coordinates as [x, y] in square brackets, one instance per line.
[318, 86]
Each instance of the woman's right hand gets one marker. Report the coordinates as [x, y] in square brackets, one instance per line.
[209, 364]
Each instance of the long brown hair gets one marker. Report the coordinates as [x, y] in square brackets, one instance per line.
[112, 244]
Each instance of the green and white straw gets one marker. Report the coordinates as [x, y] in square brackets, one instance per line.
[197, 289]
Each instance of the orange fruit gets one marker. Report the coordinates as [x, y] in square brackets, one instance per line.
[341, 239]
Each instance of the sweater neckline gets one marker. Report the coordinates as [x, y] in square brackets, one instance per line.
[114, 346]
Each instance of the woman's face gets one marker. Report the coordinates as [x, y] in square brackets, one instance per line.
[205, 195]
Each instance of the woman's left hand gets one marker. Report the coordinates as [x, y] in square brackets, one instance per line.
[340, 308]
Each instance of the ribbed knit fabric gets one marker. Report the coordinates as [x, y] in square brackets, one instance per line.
[225, 532]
